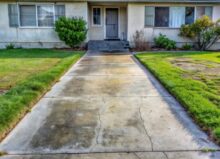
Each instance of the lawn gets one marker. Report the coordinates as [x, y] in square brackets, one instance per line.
[25, 75]
[194, 79]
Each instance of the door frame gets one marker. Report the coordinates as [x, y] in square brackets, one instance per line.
[109, 7]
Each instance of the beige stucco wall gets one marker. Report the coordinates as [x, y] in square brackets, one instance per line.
[98, 32]
[35, 37]
[136, 13]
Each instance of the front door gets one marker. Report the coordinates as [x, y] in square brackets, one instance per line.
[112, 23]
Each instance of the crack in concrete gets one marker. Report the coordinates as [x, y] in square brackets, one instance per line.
[100, 126]
[137, 155]
[165, 155]
[145, 129]
[98, 131]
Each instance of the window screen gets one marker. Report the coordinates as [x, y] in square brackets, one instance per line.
[203, 10]
[97, 16]
[45, 15]
[189, 15]
[149, 16]
[13, 15]
[161, 16]
[27, 15]
[59, 11]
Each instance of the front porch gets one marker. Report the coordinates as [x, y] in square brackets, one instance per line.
[109, 45]
[107, 21]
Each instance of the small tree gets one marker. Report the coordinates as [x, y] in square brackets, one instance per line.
[71, 30]
[203, 31]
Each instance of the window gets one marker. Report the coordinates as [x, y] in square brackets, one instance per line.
[174, 17]
[161, 16]
[149, 16]
[96, 16]
[204, 10]
[27, 15]
[34, 15]
[177, 17]
[13, 15]
[59, 11]
[189, 15]
[45, 15]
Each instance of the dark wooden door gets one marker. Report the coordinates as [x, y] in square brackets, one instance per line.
[112, 23]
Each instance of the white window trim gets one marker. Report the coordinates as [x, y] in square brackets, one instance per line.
[36, 5]
[97, 25]
[195, 12]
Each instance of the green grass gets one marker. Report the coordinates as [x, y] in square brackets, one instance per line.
[198, 90]
[28, 74]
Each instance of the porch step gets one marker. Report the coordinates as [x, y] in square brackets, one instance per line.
[108, 45]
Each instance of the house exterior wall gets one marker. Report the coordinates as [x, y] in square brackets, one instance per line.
[98, 32]
[36, 37]
[136, 12]
[131, 17]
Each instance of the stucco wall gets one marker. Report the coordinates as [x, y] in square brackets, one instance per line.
[136, 22]
[98, 32]
[35, 37]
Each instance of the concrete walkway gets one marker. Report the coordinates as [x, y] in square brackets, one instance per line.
[104, 107]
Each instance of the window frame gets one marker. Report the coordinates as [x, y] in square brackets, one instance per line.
[195, 14]
[36, 5]
[203, 6]
[97, 25]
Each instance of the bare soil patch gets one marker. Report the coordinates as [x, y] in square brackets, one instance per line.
[207, 68]
[3, 91]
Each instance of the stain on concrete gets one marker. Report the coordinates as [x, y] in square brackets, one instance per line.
[69, 124]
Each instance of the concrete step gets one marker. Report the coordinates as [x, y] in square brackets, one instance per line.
[108, 45]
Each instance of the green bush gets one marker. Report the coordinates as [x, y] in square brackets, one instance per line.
[10, 46]
[163, 42]
[71, 30]
[203, 31]
[187, 47]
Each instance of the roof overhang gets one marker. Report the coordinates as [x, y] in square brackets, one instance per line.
[135, 1]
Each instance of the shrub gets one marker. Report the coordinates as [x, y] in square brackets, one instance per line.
[10, 46]
[163, 42]
[203, 31]
[71, 30]
[140, 41]
[187, 47]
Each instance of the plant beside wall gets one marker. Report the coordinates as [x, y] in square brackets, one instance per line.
[10, 46]
[203, 31]
[163, 42]
[187, 47]
[71, 30]
[140, 42]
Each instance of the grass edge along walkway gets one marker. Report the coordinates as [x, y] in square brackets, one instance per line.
[20, 99]
[204, 113]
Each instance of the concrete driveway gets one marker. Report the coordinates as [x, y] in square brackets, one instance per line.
[108, 107]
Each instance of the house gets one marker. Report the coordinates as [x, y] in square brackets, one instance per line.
[30, 23]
